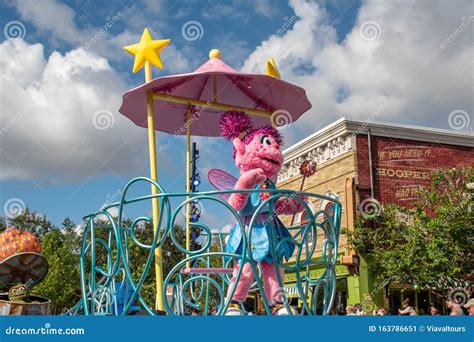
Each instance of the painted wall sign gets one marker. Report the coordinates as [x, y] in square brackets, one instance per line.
[401, 167]
[404, 153]
[407, 192]
[404, 173]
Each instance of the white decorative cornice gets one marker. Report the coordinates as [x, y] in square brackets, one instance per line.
[320, 153]
[339, 137]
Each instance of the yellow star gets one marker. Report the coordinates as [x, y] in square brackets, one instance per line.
[147, 50]
[272, 69]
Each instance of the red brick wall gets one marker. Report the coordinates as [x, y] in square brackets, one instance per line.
[401, 166]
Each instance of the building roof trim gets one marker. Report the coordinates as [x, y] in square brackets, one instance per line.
[345, 126]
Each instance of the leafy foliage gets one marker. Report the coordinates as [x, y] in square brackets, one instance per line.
[429, 243]
[3, 224]
[32, 222]
[62, 284]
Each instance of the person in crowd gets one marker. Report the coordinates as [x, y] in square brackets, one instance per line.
[358, 310]
[470, 306]
[455, 306]
[435, 309]
[350, 311]
[381, 312]
[408, 309]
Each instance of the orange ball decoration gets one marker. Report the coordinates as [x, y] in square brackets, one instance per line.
[14, 241]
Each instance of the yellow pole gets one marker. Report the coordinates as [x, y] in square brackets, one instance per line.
[154, 176]
[188, 180]
[209, 104]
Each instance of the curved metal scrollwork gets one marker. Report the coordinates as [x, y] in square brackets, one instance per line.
[200, 282]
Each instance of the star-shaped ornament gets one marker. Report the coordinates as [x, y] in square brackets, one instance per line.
[147, 50]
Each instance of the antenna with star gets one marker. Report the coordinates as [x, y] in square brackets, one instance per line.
[147, 53]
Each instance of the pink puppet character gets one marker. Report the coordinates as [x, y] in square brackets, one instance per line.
[257, 155]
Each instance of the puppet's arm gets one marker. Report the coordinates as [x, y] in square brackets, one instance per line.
[247, 180]
[289, 205]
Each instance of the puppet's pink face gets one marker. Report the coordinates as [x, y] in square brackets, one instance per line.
[262, 152]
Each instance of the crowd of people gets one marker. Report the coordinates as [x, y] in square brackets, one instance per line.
[455, 308]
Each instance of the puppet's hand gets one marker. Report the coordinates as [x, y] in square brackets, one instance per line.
[247, 180]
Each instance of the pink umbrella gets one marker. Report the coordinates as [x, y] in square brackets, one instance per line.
[209, 91]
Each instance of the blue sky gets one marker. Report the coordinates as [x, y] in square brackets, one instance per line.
[352, 57]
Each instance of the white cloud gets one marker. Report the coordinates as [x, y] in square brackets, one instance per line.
[21, 67]
[114, 211]
[51, 16]
[401, 69]
[57, 21]
[59, 117]
[79, 230]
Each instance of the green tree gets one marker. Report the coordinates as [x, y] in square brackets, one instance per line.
[3, 223]
[33, 222]
[68, 225]
[62, 284]
[427, 244]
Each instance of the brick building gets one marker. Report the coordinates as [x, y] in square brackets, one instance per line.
[361, 161]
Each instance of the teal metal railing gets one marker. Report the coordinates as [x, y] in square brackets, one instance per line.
[105, 256]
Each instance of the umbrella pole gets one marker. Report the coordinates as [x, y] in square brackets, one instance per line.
[154, 176]
[188, 180]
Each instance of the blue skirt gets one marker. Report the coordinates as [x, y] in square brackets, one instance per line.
[260, 240]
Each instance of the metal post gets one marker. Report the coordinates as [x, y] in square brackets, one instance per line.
[154, 176]
[188, 180]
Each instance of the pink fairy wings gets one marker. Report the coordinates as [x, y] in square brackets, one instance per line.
[221, 180]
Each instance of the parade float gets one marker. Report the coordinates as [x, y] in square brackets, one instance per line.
[208, 277]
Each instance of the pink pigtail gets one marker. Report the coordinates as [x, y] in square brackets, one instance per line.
[233, 124]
